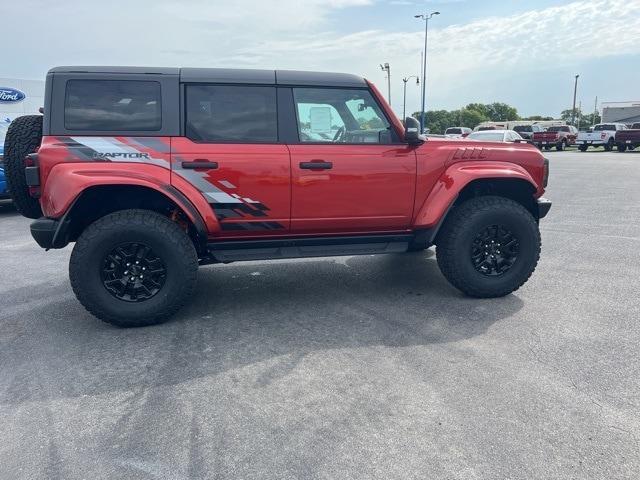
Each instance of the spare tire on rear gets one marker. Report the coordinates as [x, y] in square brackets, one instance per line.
[24, 136]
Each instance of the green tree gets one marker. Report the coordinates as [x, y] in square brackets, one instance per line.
[581, 119]
[437, 121]
[471, 118]
[498, 112]
[537, 118]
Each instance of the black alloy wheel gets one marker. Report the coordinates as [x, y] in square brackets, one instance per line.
[494, 251]
[132, 272]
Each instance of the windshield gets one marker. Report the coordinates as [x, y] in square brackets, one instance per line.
[454, 131]
[523, 128]
[487, 136]
[599, 128]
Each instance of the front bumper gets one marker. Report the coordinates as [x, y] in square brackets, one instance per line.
[544, 206]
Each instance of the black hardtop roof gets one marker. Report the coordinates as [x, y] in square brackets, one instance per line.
[230, 75]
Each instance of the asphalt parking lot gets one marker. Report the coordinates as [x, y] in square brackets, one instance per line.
[352, 367]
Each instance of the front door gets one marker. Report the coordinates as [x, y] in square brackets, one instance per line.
[348, 173]
[232, 155]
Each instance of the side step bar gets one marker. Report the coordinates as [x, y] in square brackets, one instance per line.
[235, 251]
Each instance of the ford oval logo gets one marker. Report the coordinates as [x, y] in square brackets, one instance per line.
[8, 95]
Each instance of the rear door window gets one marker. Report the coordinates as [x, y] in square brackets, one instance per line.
[112, 105]
[231, 113]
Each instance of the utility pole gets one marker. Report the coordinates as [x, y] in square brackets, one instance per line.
[387, 68]
[426, 18]
[575, 91]
[404, 96]
[579, 113]
[595, 112]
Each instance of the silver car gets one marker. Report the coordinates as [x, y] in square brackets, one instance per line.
[496, 136]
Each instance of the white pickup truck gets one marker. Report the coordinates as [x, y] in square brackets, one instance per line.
[603, 135]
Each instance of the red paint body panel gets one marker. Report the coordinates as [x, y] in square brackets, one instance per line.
[369, 187]
[253, 175]
[260, 190]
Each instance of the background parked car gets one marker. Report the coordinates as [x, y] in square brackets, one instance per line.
[457, 132]
[628, 139]
[527, 131]
[4, 193]
[603, 135]
[560, 136]
[496, 136]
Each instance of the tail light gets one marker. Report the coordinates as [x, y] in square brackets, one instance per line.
[545, 173]
[603, 135]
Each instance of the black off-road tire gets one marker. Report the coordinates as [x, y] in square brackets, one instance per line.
[561, 146]
[165, 238]
[24, 136]
[622, 147]
[609, 145]
[455, 240]
[547, 147]
[583, 148]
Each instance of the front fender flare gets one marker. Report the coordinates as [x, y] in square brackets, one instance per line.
[454, 179]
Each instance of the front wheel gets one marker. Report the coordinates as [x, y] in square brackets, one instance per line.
[133, 268]
[561, 146]
[622, 147]
[583, 148]
[488, 247]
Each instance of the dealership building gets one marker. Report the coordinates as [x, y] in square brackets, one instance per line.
[621, 112]
[18, 97]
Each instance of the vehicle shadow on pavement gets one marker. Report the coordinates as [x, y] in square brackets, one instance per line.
[272, 313]
[7, 208]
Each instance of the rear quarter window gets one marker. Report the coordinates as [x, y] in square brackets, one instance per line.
[113, 105]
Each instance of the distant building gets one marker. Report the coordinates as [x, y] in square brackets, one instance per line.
[18, 97]
[620, 112]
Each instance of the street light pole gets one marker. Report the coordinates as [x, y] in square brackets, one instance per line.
[575, 91]
[387, 68]
[426, 18]
[404, 96]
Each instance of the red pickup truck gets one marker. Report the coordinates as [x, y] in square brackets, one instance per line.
[155, 171]
[560, 136]
[628, 139]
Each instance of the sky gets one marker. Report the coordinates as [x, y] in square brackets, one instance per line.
[525, 53]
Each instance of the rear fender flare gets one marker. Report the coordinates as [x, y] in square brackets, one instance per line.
[454, 179]
[67, 182]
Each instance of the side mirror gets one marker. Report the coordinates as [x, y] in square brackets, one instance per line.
[412, 131]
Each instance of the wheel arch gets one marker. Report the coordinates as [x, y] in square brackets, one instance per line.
[457, 186]
[96, 201]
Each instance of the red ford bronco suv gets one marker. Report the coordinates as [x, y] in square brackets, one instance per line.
[155, 171]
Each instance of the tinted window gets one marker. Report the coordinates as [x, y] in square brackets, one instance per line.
[340, 116]
[217, 113]
[453, 131]
[114, 105]
[603, 127]
[562, 128]
[523, 128]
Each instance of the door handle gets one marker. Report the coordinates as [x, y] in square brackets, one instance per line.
[200, 164]
[316, 165]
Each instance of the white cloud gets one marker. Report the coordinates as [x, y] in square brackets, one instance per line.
[299, 35]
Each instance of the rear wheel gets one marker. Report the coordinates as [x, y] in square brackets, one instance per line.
[561, 146]
[609, 145]
[488, 247]
[547, 147]
[583, 148]
[133, 268]
[622, 147]
[23, 137]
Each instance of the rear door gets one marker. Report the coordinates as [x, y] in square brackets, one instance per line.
[349, 173]
[232, 154]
